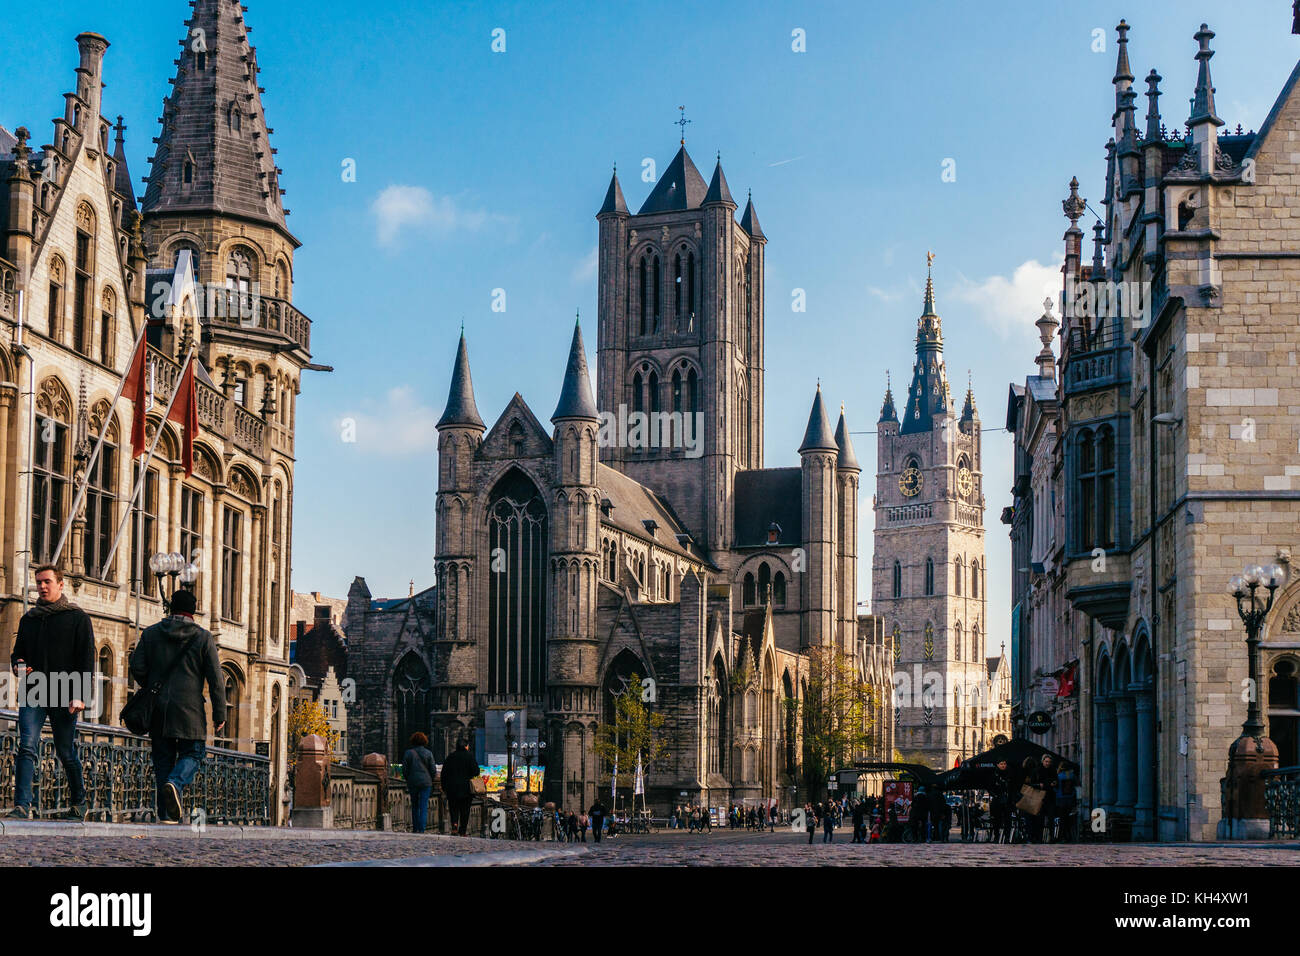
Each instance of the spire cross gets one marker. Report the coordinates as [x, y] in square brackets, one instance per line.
[682, 121]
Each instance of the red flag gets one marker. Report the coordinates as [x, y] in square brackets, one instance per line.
[134, 391]
[1066, 687]
[185, 412]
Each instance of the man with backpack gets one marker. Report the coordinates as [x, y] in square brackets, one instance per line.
[179, 657]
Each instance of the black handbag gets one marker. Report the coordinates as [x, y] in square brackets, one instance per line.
[137, 714]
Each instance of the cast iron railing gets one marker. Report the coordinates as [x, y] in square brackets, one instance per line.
[1282, 797]
[231, 788]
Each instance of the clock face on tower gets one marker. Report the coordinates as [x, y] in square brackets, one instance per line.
[965, 482]
[909, 483]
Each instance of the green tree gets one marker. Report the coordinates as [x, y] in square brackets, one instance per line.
[636, 729]
[307, 717]
[836, 715]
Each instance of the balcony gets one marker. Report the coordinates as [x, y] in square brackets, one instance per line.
[908, 513]
[1093, 358]
[275, 316]
[232, 788]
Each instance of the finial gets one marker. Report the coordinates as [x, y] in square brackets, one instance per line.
[1074, 205]
[577, 317]
[841, 408]
[462, 326]
[682, 121]
[929, 260]
[616, 168]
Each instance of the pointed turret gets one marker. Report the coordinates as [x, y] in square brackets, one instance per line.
[1123, 73]
[847, 460]
[461, 409]
[968, 411]
[213, 152]
[680, 187]
[928, 394]
[614, 202]
[121, 175]
[887, 411]
[749, 221]
[1203, 101]
[575, 394]
[718, 191]
[818, 437]
[1098, 250]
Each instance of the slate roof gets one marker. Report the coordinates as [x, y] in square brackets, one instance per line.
[749, 221]
[633, 503]
[847, 459]
[818, 434]
[614, 201]
[718, 191]
[575, 394]
[680, 187]
[461, 409]
[765, 495]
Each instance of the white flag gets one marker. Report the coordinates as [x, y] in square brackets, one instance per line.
[639, 785]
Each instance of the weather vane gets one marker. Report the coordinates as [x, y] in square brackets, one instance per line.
[929, 259]
[682, 121]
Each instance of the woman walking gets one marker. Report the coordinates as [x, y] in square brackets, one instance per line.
[419, 770]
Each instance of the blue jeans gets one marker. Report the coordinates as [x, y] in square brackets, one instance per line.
[176, 761]
[64, 725]
[419, 807]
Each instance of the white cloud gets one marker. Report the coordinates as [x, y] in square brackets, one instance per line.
[400, 207]
[585, 270]
[883, 295]
[396, 425]
[1011, 305]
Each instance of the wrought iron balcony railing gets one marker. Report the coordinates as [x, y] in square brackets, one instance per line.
[1282, 798]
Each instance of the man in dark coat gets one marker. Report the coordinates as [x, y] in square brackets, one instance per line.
[597, 814]
[53, 659]
[179, 722]
[457, 772]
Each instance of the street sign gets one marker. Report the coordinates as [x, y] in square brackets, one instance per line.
[1040, 722]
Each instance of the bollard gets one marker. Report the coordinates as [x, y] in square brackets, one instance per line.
[311, 792]
[378, 765]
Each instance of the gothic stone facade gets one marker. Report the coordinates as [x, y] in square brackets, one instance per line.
[566, 561]
[91, 270]
[1180, 448]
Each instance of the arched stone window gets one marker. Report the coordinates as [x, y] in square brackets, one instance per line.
[638, 393]
[717, 717]
[898, 580]
[929, 576]
[411, 697]
[50, 468]
[657, 289]
[517, 595]
[957, 572]
[975, 579]
[764, 583]
[241, 273]
[104, 705]
[778, 589]
[229, 735]
[747, 592]
[83, 302]
[108, 327]
[55, 304]
[101, 499]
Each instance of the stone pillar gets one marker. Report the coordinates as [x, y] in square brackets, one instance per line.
[378, 765]
[1144, 703]
[1125, 756]
[214, 554]
[311, 785]
[1104, 708]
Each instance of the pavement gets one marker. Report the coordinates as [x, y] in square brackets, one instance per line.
[102, 844]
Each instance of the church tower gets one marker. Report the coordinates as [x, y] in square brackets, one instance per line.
[681, 331]
[928, 564]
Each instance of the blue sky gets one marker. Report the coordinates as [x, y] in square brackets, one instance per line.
[478, 170]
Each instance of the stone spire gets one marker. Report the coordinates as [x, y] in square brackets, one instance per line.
[818, 437]
[847, 460]
[614, 201]
[968, 412]
[1153, 107]
[1098, 250]
[718, 191]
[575, 394]
[1047, 324]
[121, 176]
[461, 409]
[1203, 101]
[213, 154]
[749, 221]
[1123, 78]
[887, 410]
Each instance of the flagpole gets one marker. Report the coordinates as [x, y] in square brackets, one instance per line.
[94, 457]
[144, 468]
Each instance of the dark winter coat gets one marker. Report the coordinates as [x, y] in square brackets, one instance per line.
[458, 770]
[179, 713]
[418, 767]
[57, 639]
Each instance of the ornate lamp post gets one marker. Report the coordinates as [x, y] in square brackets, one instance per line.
[532, 751]
[172, 565]
[508, 796]
[1245, 814]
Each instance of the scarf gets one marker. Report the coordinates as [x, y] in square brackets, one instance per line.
[46, 608]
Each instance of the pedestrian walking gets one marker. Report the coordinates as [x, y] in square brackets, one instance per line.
[54, 651]
[859, 822]
[1041, 774]
[459, 771]
[179, 657]
[419, 770]
[597, 814]
[919, 815]
[828, 822]
[810, 821]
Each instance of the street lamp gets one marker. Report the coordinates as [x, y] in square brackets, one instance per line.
[510, 757]
[532, 749]
[1245, 813]
[174, 565]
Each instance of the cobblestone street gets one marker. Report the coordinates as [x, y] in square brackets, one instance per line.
[156, 846]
